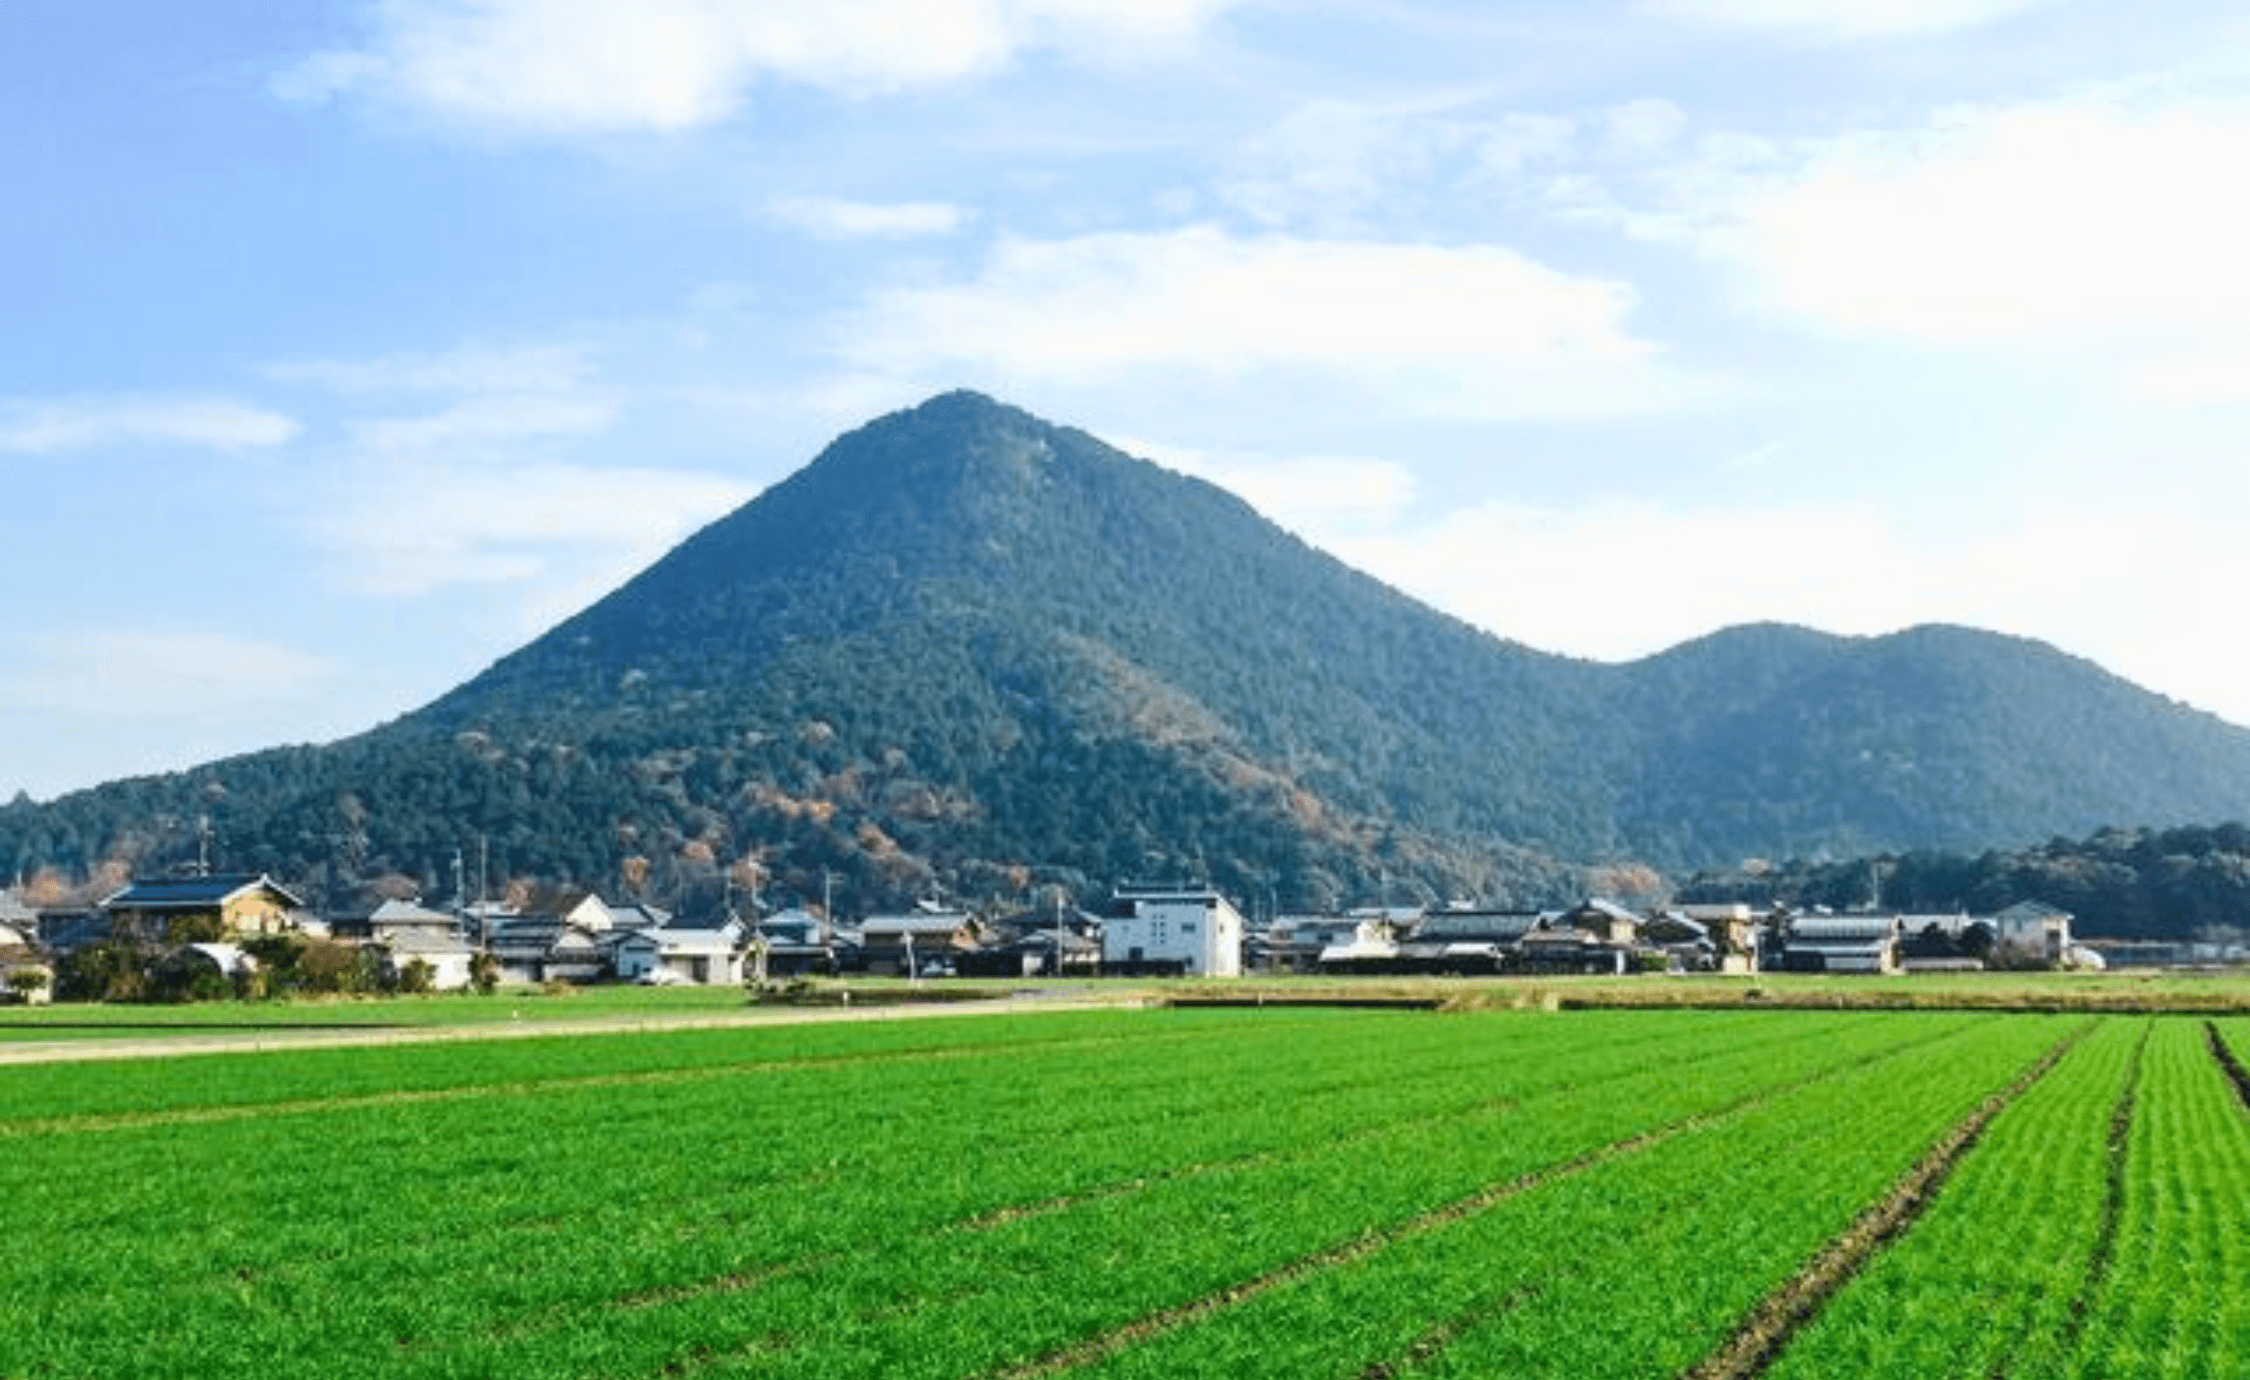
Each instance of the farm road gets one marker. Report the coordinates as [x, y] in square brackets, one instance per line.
[220, 1041]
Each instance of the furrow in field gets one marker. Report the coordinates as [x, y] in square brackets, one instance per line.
[1761, 1337]
[2117, 1166]
[2228, 1063]
[1628, 1268]
[1993, 1271]
[1432, 1344]
[2176, 1301]
[1380, 1238]
[322, 1105]
[1324, 1127]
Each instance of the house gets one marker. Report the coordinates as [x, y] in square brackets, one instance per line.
[19, 923]
[797, 944]
[449, 959]
[1561, 948]
[20, 954]
[925, 942]
[1734, 933]
[1307, 943]
[1192, 931]
[1610, 923]
[1348, 944]
[543, 948]
[1685, 941]
[68, 931]
[700, 957]
[391, 919]
[637, 915]
[226, 906]
[2034, 930]
[1035, 954]
[1842, 944]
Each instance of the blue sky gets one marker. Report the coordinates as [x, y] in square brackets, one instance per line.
[352, 343]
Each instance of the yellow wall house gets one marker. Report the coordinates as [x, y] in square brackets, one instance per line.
[179, 909]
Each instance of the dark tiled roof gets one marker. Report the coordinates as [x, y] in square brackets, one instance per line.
[178, 893]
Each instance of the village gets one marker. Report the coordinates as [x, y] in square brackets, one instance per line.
[201, 937]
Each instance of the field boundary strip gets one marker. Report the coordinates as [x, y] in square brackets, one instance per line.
[1118, 1339]
[1763, 1335]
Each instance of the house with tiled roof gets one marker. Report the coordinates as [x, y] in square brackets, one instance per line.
[231, 905]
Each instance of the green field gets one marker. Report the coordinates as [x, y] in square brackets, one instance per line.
[1280, 1192]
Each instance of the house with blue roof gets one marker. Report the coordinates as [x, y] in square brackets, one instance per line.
[235, 905]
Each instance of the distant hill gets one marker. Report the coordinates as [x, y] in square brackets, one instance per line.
[966, 647]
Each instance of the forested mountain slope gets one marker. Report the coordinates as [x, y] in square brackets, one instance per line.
[970, 648]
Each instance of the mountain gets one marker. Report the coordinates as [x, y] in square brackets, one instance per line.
[970, 648]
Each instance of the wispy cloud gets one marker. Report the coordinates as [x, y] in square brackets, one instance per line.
[484, 427]
[183, 671]
[1669, 573]
[493, 465]
[1329, 494]
[41, 427]
[593, 67]
[835, 218]
[1841, 20]
[2043, 226]
[1477, 330]
[564, 532]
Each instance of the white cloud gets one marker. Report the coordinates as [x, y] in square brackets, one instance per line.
[592, 66]
[1344, 163]
[479, 428]
[833, 218]
[578, 530]
[98, 704]
[2043, 227]
[1837, 20]
[190, 673]
[77, 424]
[1623, 580]
[1306, 493]
[2217, 379]
[1465, 330]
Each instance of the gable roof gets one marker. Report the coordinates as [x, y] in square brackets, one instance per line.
[939, 922]
[1469, 926]
[408, 943]
[670, 942]
[407, 913]
[195, 893]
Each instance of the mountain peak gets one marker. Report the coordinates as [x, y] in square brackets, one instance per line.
[965, 643]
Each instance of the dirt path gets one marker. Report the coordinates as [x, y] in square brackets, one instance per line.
[89, 1050]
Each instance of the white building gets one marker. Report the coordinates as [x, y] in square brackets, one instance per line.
[704, 958]
[1191, 930]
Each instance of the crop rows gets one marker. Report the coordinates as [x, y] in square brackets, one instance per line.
[1130, 1194]
[2097, 1235]
[2002, 1262]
